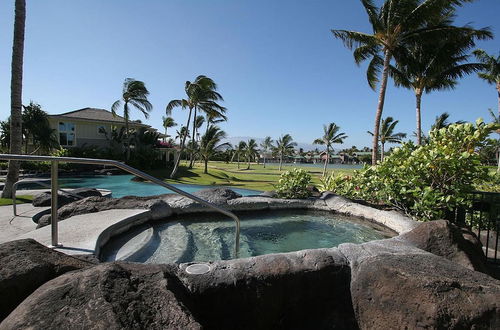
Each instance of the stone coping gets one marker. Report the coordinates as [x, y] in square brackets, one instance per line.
[87, 233]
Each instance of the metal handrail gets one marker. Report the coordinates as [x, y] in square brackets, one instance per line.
[125, 167]
[38, 182]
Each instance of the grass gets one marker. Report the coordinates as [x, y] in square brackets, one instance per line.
[228, 174]
[20, 199]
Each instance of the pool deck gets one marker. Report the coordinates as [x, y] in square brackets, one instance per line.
[81, 234]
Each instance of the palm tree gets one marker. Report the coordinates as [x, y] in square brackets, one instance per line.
[441, 121]
[284, 147]
[213, 118]
[167, 123]
[266, 145]
[198, 122]
[331, 135]
[427, 67]
[134, 94]
[395, 24]
[36, 126]
[492, 70]
[496, 120]
[251, 151]
[211, 143]
[387, 134]
[240, 150]
[201, 94]
[16, 90]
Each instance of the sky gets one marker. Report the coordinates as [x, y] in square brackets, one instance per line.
[276, 62]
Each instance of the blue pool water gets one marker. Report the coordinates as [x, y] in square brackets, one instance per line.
[205, 237]
[121, 185]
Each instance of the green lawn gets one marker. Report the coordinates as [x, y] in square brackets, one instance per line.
[20, 199]
[221, 173]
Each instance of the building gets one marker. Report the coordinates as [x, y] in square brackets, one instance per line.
[87, 126]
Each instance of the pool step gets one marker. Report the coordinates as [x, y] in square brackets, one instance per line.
[129, 245]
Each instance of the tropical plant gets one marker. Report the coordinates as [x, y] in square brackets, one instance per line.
[5, 133]
[284, 147]
[239, 151]
[396, 24]
[435, 65]
[201, 95]
[266, 145]
[167, 123]
[16, 89]
[293, 184]
[387, 135]
[251, 151]
[134, 94]
[331, 135]
[427, 181]
[491, 73]
[36, 126]
[210, 143]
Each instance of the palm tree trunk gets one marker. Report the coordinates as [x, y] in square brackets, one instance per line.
[206, 166]
[264, 162]
[16, 90]
[498, 90]
[383, 151]
[281, 161]
[248, 167]
[176, 166]
[418, 95]
[326, 161]
[238, 161]
[128, 139]
[380, 106]
[193, 139]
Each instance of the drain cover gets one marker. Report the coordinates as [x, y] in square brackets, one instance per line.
[198, 269]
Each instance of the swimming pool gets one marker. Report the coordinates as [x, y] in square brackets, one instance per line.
[208, 237]
[122, 185]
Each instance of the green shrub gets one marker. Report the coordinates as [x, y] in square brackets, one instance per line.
[293, 184]
[424, 181]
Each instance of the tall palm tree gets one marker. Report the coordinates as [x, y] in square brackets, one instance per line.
[167, 123]
[16, 90]
[387, 134]
[266, 145]
[331, 135]
[201, 95]
[251, 151]
[496, 120]
[210, 143]
[180, 134]
[491, 73]
[198, 122]
[134, 94]
[427, 67]
[213, 118]
[284, 147]
[395, 24]
[239, 151]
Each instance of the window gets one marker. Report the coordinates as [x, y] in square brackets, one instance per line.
[66, 134]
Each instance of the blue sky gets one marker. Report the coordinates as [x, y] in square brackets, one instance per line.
[276, 62]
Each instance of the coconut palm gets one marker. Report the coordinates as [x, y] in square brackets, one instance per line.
[491, 73]
[266, 145]
[134, 94]
[284, 147]
[37, 127]
[251, 151]
[441, 121]
[213, 118]
[201, 95]
[16, 89]
[387, 134]
[239, 151]
[167, 123]
[210, 143]
[395, 24]
[198, 122]
[428, 67]
[331, 135]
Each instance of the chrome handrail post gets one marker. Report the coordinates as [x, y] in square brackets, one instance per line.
[53, 205]
[14, 202]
